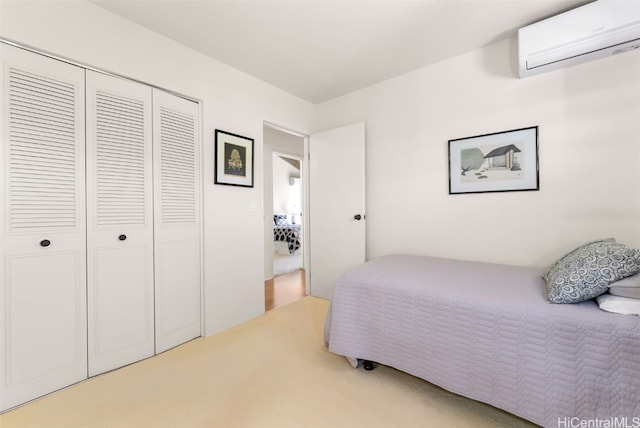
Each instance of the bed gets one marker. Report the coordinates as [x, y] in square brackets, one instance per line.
[286, 236]
[488, 332]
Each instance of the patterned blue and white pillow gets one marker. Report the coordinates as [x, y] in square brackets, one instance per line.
[587, 271]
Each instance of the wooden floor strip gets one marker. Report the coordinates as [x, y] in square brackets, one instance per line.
[284, 289]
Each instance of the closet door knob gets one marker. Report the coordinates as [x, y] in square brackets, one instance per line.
[45, 243]
[122, 237]
[357, 217]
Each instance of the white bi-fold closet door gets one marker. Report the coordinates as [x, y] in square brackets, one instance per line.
[100, 248]
[119, 222]
[142, 206]
[43, 335]
[176, 165]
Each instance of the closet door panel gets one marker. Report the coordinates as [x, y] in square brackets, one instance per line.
[177, 220]
[42, 216]
[59, 334]
[116, 274]
[178, 303]
[120, 222]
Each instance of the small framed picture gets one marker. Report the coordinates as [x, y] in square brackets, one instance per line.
[233, 159]
[499, 162]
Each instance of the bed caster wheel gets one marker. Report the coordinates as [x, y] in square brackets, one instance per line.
[368, 365]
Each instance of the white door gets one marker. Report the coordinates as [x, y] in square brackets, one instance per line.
[42, 215]
[119, 222]
[336, 204]
[176, 153]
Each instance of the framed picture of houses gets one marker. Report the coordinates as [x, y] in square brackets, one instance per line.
[499, 162]
[233, 159]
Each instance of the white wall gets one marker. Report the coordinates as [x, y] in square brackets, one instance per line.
[589, 142]
[231, 100]
[282, 189]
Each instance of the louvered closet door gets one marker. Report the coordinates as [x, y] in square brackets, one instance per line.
[177, 219]
[42, 250]
[119, 222]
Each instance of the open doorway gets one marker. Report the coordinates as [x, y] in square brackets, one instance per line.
[284, 208]
[287, 214]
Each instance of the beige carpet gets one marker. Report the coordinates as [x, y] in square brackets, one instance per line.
[273, 371]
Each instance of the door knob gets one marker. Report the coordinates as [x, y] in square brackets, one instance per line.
[45, 243]
[122, 237]
[357, 217]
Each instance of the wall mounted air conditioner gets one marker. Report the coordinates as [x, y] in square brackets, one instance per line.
[592, 31]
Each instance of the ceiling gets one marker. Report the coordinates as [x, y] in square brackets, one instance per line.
[322, 49]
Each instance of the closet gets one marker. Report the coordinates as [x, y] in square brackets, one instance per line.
[99, 209]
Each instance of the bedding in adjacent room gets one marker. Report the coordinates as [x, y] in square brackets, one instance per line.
[290, 234]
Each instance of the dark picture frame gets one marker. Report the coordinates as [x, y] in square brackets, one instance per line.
[234, 157]
[503, 161]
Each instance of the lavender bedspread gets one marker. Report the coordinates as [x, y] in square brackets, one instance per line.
[487, 332]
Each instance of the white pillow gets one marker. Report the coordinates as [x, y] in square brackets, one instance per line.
[630, 292]
[619, 305]
[627, 287]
